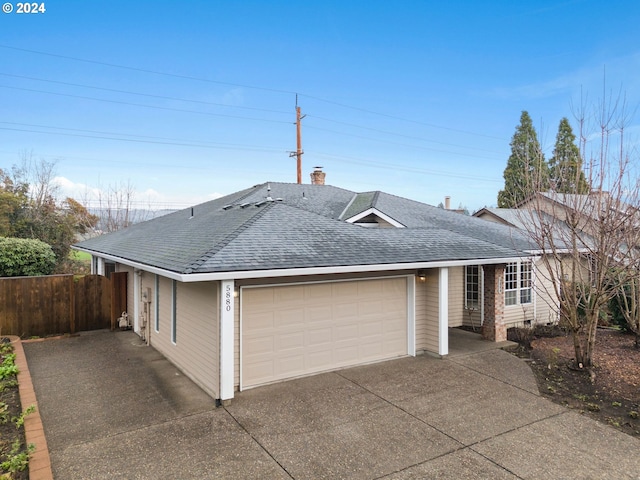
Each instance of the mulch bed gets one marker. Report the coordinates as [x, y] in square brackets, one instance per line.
[610, 393]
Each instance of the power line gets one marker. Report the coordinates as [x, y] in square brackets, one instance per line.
[419, 147]
[143, 70]
[164, 140]
[413, 137]
[101, 137]
[394, 117]
[119, 102]
[223, 105]
[254, 87]
[388, 166]
[149, 95]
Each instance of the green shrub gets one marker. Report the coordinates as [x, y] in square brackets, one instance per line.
[616, 307]
[25, 257]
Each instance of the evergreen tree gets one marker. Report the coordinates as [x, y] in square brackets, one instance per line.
[565, 167]
[527, 171]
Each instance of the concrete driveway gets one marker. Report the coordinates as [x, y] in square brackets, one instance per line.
[114, 408]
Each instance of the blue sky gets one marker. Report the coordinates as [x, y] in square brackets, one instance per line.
[190, 100]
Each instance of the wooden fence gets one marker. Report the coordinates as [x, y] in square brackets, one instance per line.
[57, 304]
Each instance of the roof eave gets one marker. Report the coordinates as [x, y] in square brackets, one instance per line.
[289, 272]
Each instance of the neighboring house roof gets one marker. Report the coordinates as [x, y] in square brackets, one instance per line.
[534, 223]
[591, 204]
[290, 226]
[507, 216]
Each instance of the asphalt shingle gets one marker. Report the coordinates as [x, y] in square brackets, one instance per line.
[278, 225]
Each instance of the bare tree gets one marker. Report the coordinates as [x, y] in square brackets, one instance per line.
[115, 206]
[39, 174]
[584, 239]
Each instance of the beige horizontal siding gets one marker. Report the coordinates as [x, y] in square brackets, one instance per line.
[196, 351]
[427, 312]
[456, 296]
[546, 298]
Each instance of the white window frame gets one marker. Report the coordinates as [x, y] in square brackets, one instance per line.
[518, 283]
[472, 287]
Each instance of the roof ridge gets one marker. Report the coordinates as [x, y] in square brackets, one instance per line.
[227, 239]
[374, 200]
[353, 198]
[250, 191]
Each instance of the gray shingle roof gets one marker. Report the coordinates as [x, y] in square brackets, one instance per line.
[359, 203]
[244, 232]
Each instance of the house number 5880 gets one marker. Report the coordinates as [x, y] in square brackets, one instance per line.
[228, 298]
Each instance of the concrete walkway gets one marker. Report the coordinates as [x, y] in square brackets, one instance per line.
[114, 408]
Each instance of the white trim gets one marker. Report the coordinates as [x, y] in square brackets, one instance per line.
[137, 279]
[377, 213]
[519, 288]
[466, 288]
[443, 311]
[290, 272]
[227, 319]
[174, 312]
[156, 304]
[558, 251]
[97, 265]
[534, 288]
[410, 313]
[481, 292]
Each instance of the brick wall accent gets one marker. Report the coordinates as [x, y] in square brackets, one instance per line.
[493, 328]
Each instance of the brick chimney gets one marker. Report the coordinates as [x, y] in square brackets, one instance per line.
[447, 202]
[317, 176]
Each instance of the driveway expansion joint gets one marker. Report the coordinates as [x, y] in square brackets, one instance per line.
[403, 410]
[284, 469]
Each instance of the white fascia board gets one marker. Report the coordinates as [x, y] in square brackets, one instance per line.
[290, 272]
[557, 251]
[378, 213]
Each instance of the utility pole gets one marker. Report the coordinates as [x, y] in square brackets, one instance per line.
[298, 153]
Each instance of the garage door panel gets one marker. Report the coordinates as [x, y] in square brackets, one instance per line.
[344, 289]
[262, 297]
[264, 320]
[319, 337]
[320, 291]
[371, 288]
[292, 317]
[345, 354]
[293, 294]
[305, 329]
[262, 371]
[287, 341]
[345, 333]
[345, 310]
[371, 351]
[370, 307]
[290, 365]
[318, 360]
[318, 314]
[260, 345]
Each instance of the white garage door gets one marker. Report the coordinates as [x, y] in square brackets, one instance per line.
[295, 330]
